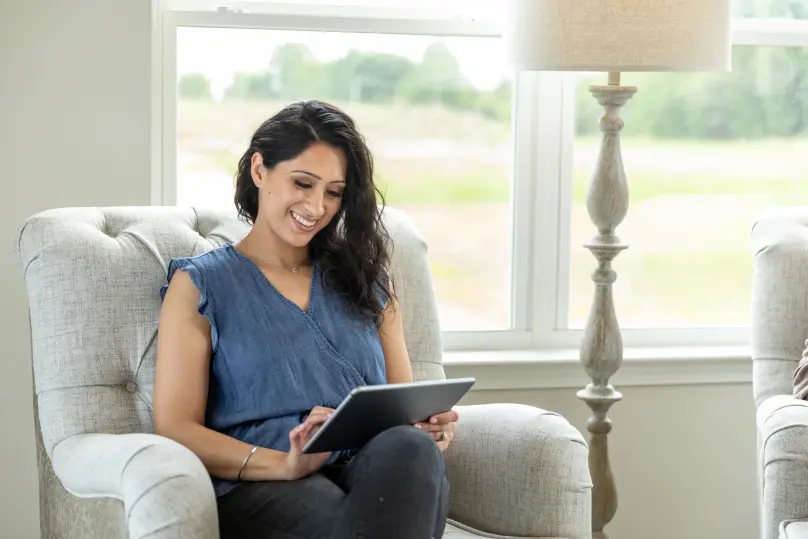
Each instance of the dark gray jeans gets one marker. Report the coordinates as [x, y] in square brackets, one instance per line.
[394, 488]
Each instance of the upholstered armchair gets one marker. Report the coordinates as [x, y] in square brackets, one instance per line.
[779, 332]
[93, 277]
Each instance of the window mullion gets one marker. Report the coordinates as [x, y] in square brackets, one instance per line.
[168, 110]
[547, 175]
[524, 114]
[565, 184]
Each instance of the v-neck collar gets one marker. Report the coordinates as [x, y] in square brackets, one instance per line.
[312, 287]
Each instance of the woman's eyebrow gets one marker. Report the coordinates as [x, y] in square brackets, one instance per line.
[306, 172]
[313, 175]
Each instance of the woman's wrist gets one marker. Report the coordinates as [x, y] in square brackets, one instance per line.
[245, 461]
[265, 465]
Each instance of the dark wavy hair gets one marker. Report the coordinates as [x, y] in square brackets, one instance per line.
[351, 252]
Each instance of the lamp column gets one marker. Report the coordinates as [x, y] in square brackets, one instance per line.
[601, 349]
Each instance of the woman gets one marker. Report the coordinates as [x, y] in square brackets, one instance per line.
[260, 340]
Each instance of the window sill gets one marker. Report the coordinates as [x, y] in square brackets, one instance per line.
[543, 369]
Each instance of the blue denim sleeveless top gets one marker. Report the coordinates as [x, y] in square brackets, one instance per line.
[271, 361]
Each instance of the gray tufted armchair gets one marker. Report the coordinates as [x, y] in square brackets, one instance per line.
[93, 277]
[779, 331]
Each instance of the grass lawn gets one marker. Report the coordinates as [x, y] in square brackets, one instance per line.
[692, 203]
[661, 289]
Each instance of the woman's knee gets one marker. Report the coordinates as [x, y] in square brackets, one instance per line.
[407, 443]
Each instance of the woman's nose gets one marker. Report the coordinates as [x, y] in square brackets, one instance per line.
[315, 203]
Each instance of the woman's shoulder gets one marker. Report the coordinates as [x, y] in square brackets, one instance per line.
[207, 260]
[207, 263]
[208, 270]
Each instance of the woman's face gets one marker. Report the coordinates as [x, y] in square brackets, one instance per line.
[299, 197]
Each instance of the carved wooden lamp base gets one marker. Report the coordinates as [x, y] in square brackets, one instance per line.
[602, 344]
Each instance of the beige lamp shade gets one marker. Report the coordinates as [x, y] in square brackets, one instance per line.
[619, 35]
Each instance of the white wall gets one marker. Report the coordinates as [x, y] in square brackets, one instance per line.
[683, 457]
[74, 130]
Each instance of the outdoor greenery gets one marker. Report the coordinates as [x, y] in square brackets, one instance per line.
[765, 94]
[295, 73]
[194, 86]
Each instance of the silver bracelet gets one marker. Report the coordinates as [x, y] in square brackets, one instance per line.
[243, 464]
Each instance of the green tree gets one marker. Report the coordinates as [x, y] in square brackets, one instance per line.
[251, 86]
[342, 82]
[439, 79]
[764, 95]
[378, 76]
[496, 104]
[194, 86]
[368, 76]
[298, 73]
[797, 87]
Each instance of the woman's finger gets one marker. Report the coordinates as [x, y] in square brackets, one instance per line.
[437, 431]
[316, 420]
[444, 418]
[312, 424]
[294, 439]
[322, 412]
[306, 430]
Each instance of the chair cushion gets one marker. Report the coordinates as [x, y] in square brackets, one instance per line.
[460, 531]
[453, 532]
[794, 529]
[456, 533]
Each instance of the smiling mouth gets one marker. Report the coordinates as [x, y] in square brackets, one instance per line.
[302, 222]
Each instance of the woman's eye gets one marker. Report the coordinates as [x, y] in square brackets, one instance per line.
[335, 194]
[302, 185]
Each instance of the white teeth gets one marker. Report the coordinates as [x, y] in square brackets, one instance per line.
[299, 219]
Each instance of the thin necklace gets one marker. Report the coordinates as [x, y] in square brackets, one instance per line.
[268, 263]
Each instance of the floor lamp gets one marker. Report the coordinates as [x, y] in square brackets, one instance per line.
[612, 36]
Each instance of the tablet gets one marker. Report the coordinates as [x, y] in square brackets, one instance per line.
[369, 410]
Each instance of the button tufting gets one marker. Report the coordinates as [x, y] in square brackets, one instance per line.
[131, 387]
[104, 226]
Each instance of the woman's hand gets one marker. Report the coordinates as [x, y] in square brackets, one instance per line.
[441, 427]
[299, 465]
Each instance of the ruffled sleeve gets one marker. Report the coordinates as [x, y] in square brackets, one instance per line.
[381, 296]
[205, 307]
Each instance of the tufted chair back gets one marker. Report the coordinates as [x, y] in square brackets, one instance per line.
[93, 277]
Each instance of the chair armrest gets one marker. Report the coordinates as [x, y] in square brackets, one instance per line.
[518, 470]
[165, 489]
[782, 425]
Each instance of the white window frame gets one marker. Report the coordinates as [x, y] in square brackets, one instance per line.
[542, 165]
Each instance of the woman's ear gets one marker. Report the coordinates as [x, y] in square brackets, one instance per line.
[257, 169]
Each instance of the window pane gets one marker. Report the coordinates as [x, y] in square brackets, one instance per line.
[435, 111]
[704, 154]
[770, 9]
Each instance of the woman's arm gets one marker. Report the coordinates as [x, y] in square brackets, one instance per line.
[181, 390]
[397, 361]
[391, 335]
